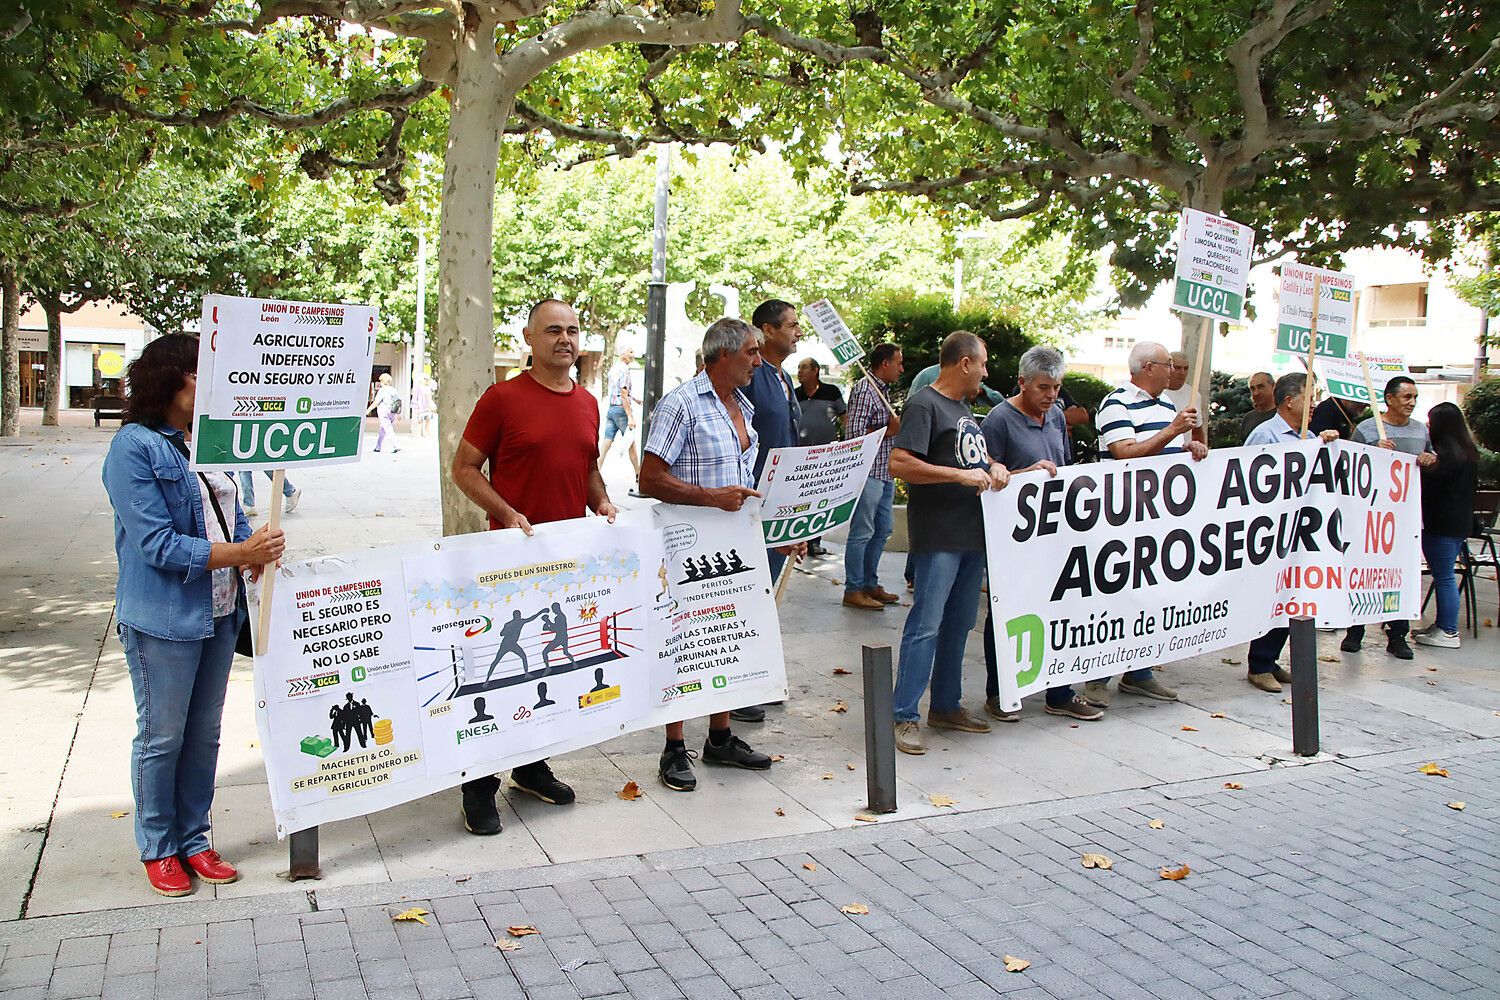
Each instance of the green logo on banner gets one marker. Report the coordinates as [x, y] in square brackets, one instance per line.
[807, 524]
[304, 405]
[1029, 636]
[274, 442]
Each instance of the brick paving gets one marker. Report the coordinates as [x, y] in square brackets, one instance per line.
[1337, 879]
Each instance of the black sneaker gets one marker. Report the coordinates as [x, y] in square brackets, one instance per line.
[676, 769]
[1397, 647]
[481, 818]
[750, 713]
[736, 753]
[537, 779]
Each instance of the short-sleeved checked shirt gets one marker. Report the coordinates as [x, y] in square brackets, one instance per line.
[867, 413]
[691, 432]
[1130, 413]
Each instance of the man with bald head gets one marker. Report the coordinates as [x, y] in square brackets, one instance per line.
[1263, 401]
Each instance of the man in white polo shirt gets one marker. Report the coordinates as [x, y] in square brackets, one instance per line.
[1137, 421]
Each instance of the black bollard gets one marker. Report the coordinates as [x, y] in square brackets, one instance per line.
[880, 732]
[1304, 643]
[304, 856]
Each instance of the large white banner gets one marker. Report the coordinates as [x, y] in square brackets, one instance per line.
[397, 672]
[808, 491]
[1123, 565]
[281, 383]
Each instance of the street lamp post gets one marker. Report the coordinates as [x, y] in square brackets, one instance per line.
[656, 295]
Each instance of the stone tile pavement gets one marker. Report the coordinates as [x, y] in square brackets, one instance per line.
[1336, 879]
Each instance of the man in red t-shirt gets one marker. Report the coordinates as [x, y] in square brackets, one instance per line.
[539, 433]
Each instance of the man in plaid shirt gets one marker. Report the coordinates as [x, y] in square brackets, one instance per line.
[700, 451]
[869, 410]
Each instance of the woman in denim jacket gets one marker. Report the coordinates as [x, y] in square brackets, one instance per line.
[180, 607]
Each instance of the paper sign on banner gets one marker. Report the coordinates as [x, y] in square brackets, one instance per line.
[833, 331]
[809, 491]
[1123, 565]
[1213, 266]
[281, 384]
[398, 672]
[1335, 311]
[1344, 378]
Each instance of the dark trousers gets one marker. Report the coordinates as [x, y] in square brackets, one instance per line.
[1393, 630]
[1265, 650]
[1056, 697]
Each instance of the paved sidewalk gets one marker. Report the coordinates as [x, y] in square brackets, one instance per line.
[1333, 880]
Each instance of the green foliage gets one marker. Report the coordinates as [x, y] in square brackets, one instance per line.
[1086, 390]
[1489, 470]
[919, 322]
[1482, 408]
[1228, 402]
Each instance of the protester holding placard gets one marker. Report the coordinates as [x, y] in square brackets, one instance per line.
[1262, 402]
[1402, 433]
[1029, 432]
[1336, 414]
[870, 410]
[1449, 486]
[539, 435]
[1180, 394]
[180, 607]
[701, 452]
[1135, 422]
[1279, 431]
[941, 454]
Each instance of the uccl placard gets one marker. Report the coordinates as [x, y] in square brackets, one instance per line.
[281, 383]
[809, 491]
[1124, 565]
[1213, 266]
[1335, 310]
[833, 331]
[1344, 377]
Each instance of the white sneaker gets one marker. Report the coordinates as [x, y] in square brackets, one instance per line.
[291, 501]
[250, 511]
[1437, 637]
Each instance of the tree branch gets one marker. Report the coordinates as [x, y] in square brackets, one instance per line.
[20, 24]
[337, 110]
[1245, 57]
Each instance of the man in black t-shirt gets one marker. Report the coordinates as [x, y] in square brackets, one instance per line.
[1335, 414]
[822, 405]
[941, 454]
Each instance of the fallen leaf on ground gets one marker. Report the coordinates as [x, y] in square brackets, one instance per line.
[1231, 661]
[416, 913]
[942, 800]
[839, 706]
[630, 792]
[1098, 861]
[857, 909]
[828, 776]
[1459, 806]
[506, 944]
[1488, 622]
[809, 866]
[1014, 964]
[1434, 770]
[1218, 715]
[780, 811]
[849, 766]
[777, 758]
[1432, 670]
[841, 672]
[521, 930]
[119, 815]
[865, 818]
[1233, 784]
[1329, 659]
[1189, 729]
[1176, 874]
[1157, 824]
[1432, 684]
[1286, 701]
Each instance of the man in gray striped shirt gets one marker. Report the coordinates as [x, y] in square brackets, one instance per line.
[1137, 421]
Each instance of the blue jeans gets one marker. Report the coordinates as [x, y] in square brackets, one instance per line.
[868, 532]
[1056, 696]
[247, 487]
[943, 609]
[1441, 552]
[615, 422]
[179, 702]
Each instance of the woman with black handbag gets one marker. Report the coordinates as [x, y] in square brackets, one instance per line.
[180, 609]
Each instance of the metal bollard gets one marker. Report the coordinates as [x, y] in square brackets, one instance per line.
[880, 733]
[304, 856]
[1304, 643]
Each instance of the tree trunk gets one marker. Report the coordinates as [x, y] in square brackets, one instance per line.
[466, 300]
[52, 390]
[10, 351]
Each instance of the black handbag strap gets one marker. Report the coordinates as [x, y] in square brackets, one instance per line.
[213, 497]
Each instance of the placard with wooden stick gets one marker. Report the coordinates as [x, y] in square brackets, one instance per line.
[1312, 353]
[1364, 367]
[268, 573]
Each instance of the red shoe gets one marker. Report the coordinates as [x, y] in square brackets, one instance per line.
[167, 877]
[212, 869]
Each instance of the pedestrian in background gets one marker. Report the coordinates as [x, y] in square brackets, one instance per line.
[179, 540]
[870, 528]
[1449, 486]
[386, 406]
[822, 405]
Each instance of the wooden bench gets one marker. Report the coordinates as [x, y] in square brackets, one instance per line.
[108, 407]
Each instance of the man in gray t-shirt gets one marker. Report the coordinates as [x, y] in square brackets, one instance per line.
[1402, 434]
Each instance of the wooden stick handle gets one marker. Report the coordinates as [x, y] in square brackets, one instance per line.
[785, 578]
[875, 384]
[1364, 366]
[268, 572]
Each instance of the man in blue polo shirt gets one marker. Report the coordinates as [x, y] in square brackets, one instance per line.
[1026, 432]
